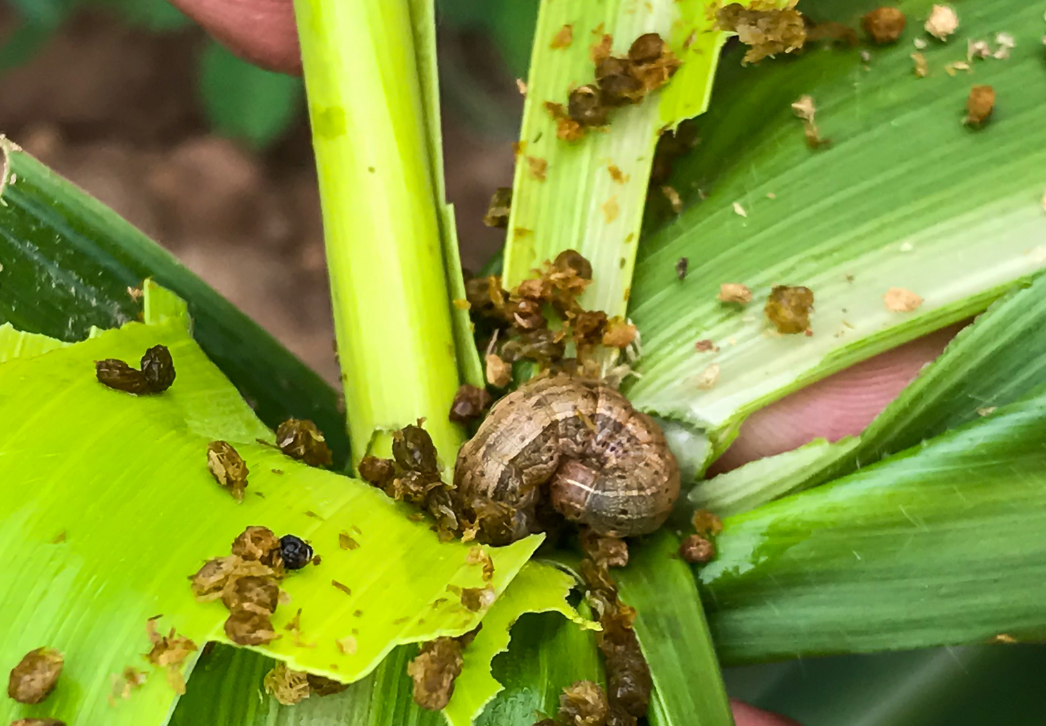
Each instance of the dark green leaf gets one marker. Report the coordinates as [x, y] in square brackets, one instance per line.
[245, 102]
[939, 545]
[69, 263]
[670, 623]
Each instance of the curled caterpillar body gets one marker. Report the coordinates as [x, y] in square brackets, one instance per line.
[577, 442]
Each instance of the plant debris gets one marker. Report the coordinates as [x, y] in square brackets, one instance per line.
[169, 652]
[619, 81]
[682, 266]
[806, 111]
[583, 704]
[246, 581]
[35, 676]
[124, 684]
[500, 206]
[979, 105]
[563, 38]
[227, 467]
[673, 198]
[413, 476]
[732, 292]
[695, 549]
[38, 722]
[469, 404]
[605, 551]
[499, 373]
[943, 22]
[901, 300]
[434, 670]
[765, 32]
[921, 68]
[287, 686]
[707, 378]
[479, 556]
[619, 333]
[156, 374]
[788, 308]
[884, 25]
[158, 368]
[301, 439]
[538, 167]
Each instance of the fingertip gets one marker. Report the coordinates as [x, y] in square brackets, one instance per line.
[745, 715]
[259, 31]
[841, 405]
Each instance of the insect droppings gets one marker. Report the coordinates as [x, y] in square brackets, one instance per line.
[434, 670]
[35, 676]
[583, 704]
[295, 552]
[301, 439]
[884, 25]
[788, 308]
[158, 368]
[227, 467]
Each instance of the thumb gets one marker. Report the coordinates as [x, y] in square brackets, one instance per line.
[259, 31]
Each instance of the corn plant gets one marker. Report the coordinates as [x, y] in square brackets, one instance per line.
[923, 531]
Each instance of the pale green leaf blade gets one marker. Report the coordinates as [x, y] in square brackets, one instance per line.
[537, 588]
[991, 363]
[938, 545]
[674, 635]
[958, 226]
[122, 482]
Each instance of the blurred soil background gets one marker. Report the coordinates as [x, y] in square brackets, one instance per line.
[212, 158]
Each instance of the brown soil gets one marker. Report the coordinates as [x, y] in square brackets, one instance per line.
[116, 111]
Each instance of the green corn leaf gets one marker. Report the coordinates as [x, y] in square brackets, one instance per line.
[991, 363]
[937, 545]
[69, 264]
[674, 636]
[580, 204]
[906, 197]
[547, 654]
[933, 687]
[245, 102]
[536, 589]
[110, 504]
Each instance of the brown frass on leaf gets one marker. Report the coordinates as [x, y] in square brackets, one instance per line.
[979, 105]
[733, 292]
[765, 32]
[469, 404]
[434, 670]
[378, 472]
[255, 593]
[695, 549]
[259, 544]
[604, 551]
[119, 376]
[682, 267]
[321, 686]
[158, 368]
[585, 106]
[169, 652]
[412, 448]
[228, 468]
[35, 676]
[884, 25]
[788, 308]
[500, 206]
[244, 627]
[301, 439]
[287, 686]
[583, 703]
[628, 676]
[38, 722]
[156, 374]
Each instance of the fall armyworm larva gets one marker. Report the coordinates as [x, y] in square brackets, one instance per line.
[606, 465]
